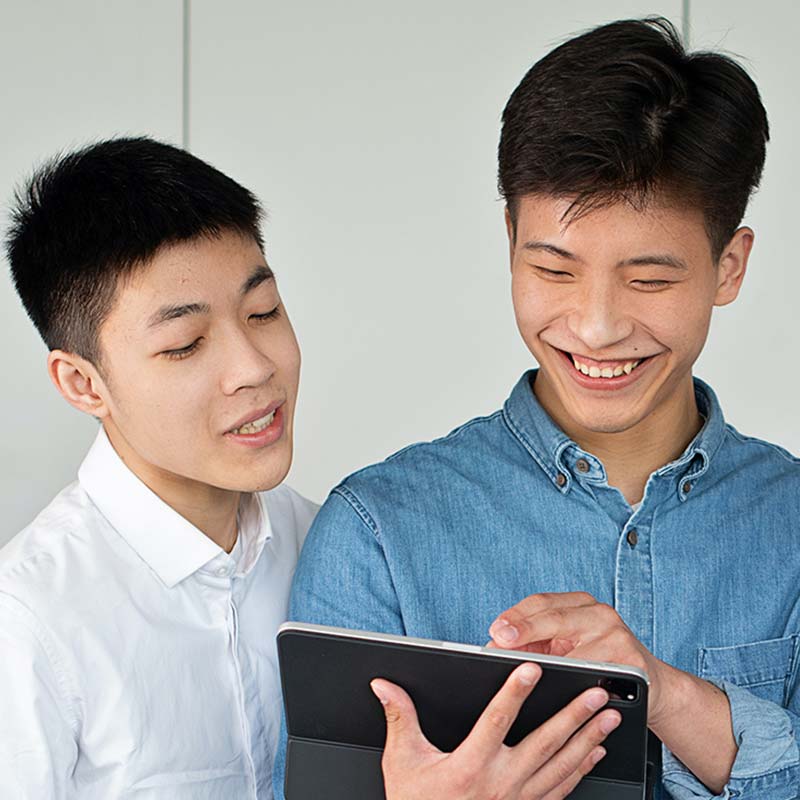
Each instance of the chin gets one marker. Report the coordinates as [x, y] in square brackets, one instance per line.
[609, 427]
[606, 424]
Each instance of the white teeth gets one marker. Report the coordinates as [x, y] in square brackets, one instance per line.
[256, 425]
[605, 372]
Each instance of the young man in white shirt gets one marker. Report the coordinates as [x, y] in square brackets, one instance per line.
[138, 611]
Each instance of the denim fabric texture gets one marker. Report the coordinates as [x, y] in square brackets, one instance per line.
[441, 537]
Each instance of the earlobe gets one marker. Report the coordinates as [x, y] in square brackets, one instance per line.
[732, 266]
[78, 382]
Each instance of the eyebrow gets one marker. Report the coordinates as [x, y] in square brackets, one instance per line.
[178, 310]
[654, 259]
[168, 313]
[536, 244]
[260, 274]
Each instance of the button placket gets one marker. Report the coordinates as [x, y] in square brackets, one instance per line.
[634, 580]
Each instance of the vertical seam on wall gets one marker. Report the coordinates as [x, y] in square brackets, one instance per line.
[185, 66]
[686, 11]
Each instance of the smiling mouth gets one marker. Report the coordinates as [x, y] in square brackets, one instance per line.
[255, 426]
[603, 369]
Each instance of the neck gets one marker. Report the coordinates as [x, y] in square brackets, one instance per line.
[210, 509]
[632, 455]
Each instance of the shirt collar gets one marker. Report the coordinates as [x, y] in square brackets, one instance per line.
[167, 542]
[553, 449]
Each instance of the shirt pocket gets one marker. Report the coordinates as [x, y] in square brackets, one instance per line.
[764, 668]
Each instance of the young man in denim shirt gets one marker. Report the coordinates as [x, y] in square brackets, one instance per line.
[606, 511]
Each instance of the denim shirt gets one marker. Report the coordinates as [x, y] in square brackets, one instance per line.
[441, 537]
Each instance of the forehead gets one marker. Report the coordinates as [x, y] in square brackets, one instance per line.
[199, 270]
[615, 230]
[206, 263]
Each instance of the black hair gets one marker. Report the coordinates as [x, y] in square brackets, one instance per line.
[89, 218]
[623, 112]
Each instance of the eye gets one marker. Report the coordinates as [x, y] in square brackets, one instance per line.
[266, 317]
[182, 352]
[651, 285]
[553, 274]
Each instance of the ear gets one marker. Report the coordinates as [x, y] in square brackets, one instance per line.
[732, 266]
[78, 382]
[512, 235]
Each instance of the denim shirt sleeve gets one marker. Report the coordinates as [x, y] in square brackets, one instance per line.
[767, 766]
[342, 579]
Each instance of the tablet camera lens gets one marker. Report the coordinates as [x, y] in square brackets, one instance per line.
[619, 689]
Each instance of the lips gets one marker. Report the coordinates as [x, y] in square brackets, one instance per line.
[604, 369]
[607, 374]
[256, 419]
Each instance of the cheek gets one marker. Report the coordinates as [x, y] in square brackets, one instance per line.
[534, 305]
[681, 322]
[165, 398]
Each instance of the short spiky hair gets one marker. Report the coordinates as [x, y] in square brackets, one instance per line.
[623, 112]
[88, 218]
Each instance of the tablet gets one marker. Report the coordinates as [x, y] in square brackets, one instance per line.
[336, 726]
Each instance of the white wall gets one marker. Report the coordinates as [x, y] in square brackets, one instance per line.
[369, 130]
[71, 72]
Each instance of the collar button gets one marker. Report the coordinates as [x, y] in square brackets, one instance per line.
[561, 479]
[582, 465]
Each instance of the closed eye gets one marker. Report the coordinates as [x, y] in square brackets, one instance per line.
[552, 273]
[267, 316]
[652, 285]
[182, 352]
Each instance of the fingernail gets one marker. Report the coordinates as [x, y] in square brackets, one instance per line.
[507, 633]
[376, 690]
[595, 699]
[597, 754]
[609, 722]
[527, 675]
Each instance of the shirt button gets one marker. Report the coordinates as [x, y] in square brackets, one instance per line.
[222, 572]
[632, 537]
[687, 487]
[582, 465]
[561, 479]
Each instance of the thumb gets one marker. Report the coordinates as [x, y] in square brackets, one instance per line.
[403, 734]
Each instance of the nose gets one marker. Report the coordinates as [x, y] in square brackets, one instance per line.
[599, 320]
[244, 364]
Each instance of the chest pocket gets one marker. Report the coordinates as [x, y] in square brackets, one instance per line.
[765, 668]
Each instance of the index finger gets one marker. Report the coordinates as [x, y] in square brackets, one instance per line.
[493, 725]
[504, 628]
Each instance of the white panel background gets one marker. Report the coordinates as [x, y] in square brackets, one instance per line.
[72, 72]
[369, 130]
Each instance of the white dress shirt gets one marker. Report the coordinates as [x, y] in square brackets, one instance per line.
[137, 658]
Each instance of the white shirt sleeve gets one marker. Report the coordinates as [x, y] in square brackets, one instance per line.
[38, 726]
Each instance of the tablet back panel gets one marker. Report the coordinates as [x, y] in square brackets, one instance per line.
[336, 725]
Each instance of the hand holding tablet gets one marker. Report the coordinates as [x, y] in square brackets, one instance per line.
[548, 763]
[457, 721]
